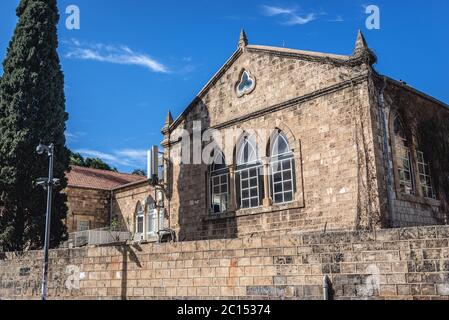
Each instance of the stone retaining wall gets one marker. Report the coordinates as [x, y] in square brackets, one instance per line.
[389, 264]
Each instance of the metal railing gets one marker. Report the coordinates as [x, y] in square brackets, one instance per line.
[98, 237]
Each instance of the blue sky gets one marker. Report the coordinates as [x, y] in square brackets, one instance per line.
[133, 60]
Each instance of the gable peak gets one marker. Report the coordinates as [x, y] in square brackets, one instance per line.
[243, 40]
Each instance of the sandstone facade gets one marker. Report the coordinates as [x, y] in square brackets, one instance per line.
[333, 110]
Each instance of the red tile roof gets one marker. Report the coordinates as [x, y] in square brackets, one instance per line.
[99, 179]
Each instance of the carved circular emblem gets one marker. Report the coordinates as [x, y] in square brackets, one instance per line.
[246, 84]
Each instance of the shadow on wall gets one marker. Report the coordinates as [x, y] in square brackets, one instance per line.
[196, 222]
[128, 255]
[118, 222]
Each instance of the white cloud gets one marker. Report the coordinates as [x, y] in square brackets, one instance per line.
[297, 20]
[132, 158]
[337, 19]
[274, 11]
[112, 54]
[291, 15]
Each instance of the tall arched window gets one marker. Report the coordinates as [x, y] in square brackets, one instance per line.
[403, 157]
[219, 185]
[282, 169]
[140, 219]
[249, 174]
[151, 217]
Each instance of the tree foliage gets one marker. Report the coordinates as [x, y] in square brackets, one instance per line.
[95, 163]
[32, 111]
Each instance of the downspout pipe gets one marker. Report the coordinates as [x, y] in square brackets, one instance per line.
[326, 288]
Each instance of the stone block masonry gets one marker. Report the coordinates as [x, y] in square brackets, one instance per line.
[388, 264]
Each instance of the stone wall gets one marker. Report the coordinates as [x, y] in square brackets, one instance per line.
[87, 205]
[389, 264]
[125, 203]
[413, 108]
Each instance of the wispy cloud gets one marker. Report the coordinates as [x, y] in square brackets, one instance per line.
[337, 19]
[74, 136]
[131, 158]
[112, 54]
[291, 16]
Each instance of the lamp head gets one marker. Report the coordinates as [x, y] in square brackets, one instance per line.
[41, 149]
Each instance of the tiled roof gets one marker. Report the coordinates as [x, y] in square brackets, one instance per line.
[100, 179]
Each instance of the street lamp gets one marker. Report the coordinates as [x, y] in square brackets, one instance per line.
[48, 184]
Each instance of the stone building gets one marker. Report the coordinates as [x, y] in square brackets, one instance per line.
[95, 197]
[297, 141]
[344, 149]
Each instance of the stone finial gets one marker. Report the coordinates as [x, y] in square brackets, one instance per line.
[361, 49]
[360, 44]
[169, 119]
[243, 41]
[168, 123]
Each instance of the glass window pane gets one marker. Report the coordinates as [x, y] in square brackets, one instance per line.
[287, 175]
[288, 186]
[278, 198]
[245, 194]
[277, 177]
[286, 165]
[245, 204]
[245, 184]
[278, 187]
[254, 192]
[288, 197]
[254, 203]
[140, 224]
[253, 182]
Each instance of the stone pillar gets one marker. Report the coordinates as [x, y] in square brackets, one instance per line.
[232, 194]
[267, 201]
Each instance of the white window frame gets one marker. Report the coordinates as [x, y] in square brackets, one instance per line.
[152, 222]
[425, 177]
[250, 187]
[278, 159]
[406, 186]
[246, 166]
[283, 181]
[223, 193]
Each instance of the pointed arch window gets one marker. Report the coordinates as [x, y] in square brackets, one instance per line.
[249, 174]
[140, 219]
[403, 156]
[282, 169]
[219, 185]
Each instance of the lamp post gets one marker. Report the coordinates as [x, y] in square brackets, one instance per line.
[48, 184]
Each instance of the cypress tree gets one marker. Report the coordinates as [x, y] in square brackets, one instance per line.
[32, 110]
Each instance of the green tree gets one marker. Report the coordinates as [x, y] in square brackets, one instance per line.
[140, 172]
[95, 163]
[32, 110]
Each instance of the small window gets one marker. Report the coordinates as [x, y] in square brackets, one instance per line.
[425, 177]
[152, 222]
[140, 219]
[83, 226]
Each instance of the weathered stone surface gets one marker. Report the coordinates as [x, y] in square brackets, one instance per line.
[206, 270]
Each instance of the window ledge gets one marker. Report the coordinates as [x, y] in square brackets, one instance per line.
[420, 200]
[255, 211]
